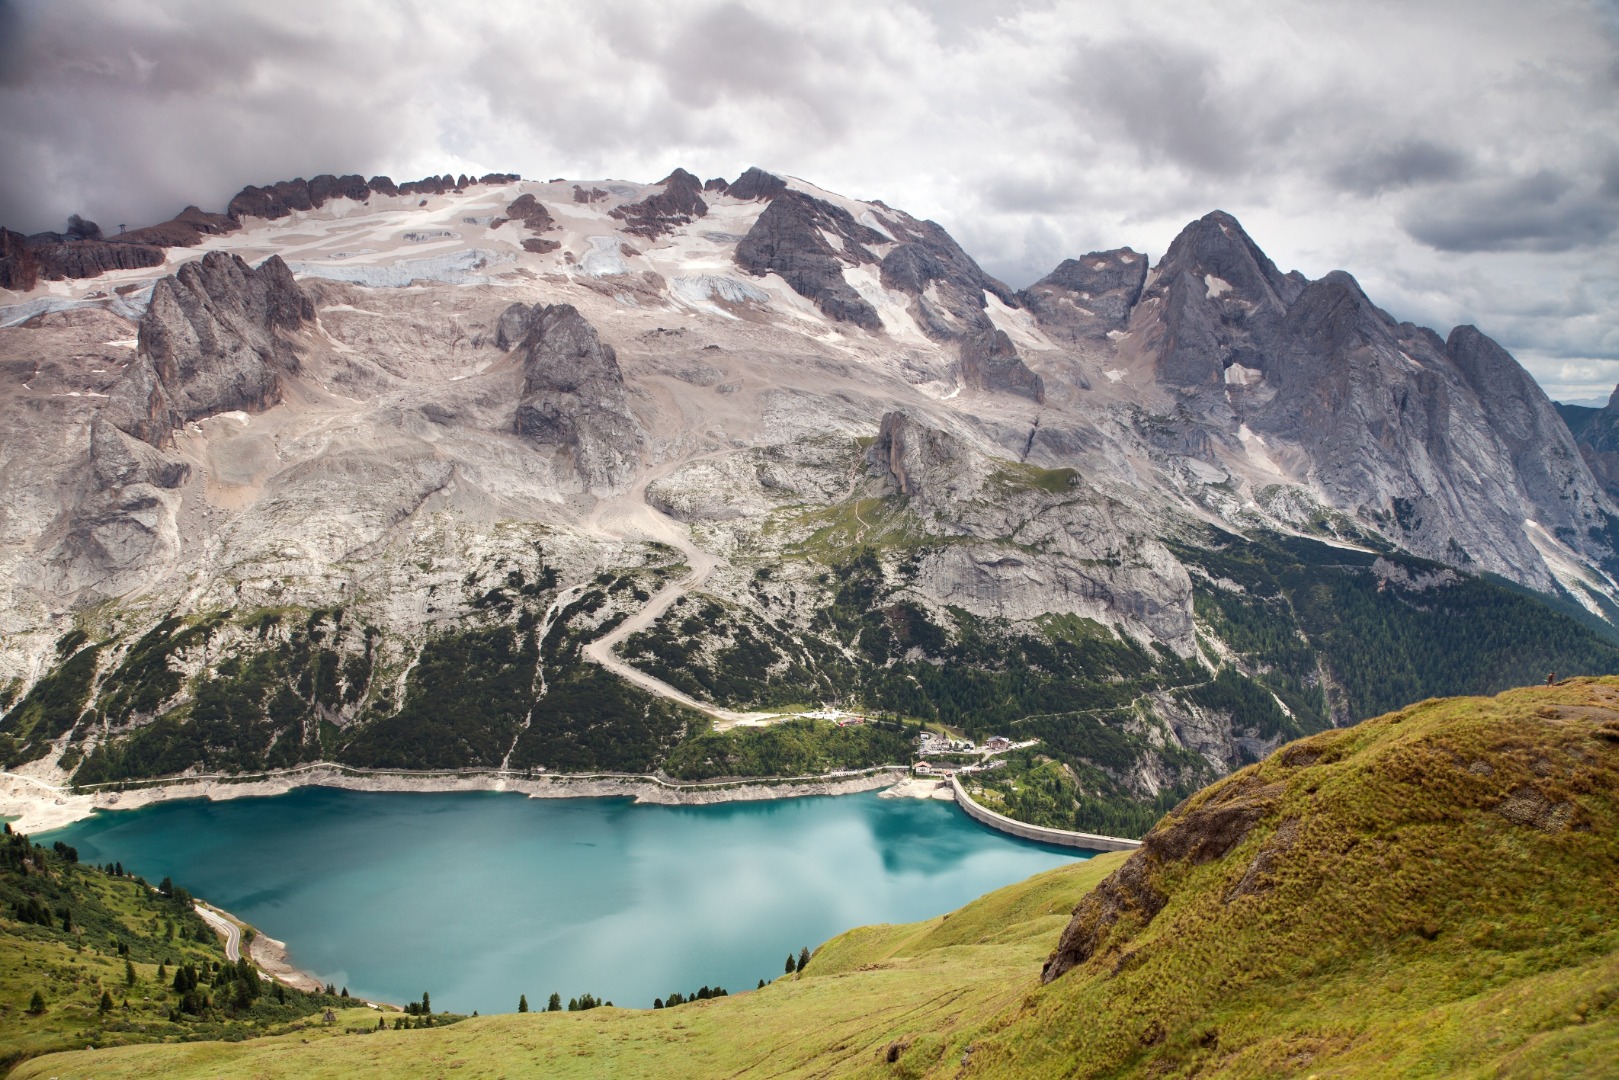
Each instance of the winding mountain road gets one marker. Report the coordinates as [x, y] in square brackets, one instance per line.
[631, 516]
[229, 930]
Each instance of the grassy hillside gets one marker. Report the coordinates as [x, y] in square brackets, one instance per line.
[1427, 894]
[101, 948]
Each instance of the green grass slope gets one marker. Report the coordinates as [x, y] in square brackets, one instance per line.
[873, 988]
[1429, 893]
[72, 933]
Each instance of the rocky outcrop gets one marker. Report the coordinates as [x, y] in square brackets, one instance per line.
[213, 340]
[287, 196]
[531, 212]
[278, 200]
[914, 457]
[514, 324]
[755, 183]
[1217, 821]
[990, 362]
[283, 198]
[91, 258]
[1446, 448]
[117, 460]
[946, 286]
[1026, 541]
[574, 401]
[790, 239]
[1088, 297]
[185, 229]
[19, 269]
[1596, 433]
[677, 204]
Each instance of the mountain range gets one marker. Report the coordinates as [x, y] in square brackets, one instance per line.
[505, 474]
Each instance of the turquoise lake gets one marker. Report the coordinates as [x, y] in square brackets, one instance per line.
[478, 897]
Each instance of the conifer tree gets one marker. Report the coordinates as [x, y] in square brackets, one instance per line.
[803, 957]
[555, 1004]
[36, 1005]
[522, 1003]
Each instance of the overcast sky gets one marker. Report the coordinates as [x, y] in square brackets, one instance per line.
[1460, 159]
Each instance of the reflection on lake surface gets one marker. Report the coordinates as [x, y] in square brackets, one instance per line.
[478, 897]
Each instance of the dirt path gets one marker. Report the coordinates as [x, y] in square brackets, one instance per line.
[631, 517]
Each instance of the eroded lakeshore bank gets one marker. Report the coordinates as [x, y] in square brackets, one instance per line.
[38, 805]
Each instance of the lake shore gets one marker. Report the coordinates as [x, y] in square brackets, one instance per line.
[38, 805]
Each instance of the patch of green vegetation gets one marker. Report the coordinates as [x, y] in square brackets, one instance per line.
[466, 699]
[1306, 605]
[108, 955]
[1021, 476]
[1034, 787]
[1063, 679]
[799, 747]
[591, 720]
[51, 708]
[1424, 894]
[260, 706]
[144, 679]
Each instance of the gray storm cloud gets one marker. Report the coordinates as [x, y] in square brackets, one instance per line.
[1461, 159]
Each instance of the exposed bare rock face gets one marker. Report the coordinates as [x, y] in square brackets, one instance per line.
[1596, 433]
[946, 286]
[916, 458]
[1065, 530]
[574, 401]
[92, 258]
[185, 229]
[533, 214]
[514, 324]
[285, 196]
[125, 523]
[989, 362]
[755, 183]
[1425, 441]
[1088, 297]
[677, 204]
[19, 269]
[1189, 837]
[213, 340]
[280, 199]
[789, 239]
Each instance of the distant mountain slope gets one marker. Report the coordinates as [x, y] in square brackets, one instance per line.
[359, 447]
[1427, 894]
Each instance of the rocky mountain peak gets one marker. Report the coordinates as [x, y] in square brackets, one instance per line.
[755, 183]
[790, 239]
[1088, 297]
[574, 401]
[213, 339]
[677, 204]
[1596, 433]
